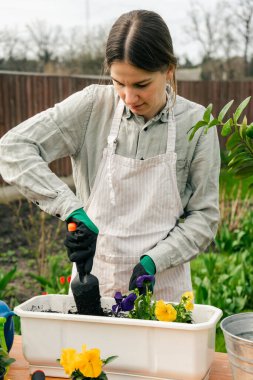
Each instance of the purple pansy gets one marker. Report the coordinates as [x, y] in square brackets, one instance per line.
[123, 303]
[127, 303]
[118, 297]
[146, 278]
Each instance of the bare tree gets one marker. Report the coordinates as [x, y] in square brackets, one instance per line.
[11, 44]
[243, 15]
[215, 31]
[204, 27]
[46, 41]
[83, 53]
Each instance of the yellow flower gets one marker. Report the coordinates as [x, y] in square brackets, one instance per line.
[165, 312]
[187, 299]
[188, 295]
[68, 360]
[90, 363]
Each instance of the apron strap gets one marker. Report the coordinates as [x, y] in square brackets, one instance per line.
[112, 143]
[171, 137]
[112, 138]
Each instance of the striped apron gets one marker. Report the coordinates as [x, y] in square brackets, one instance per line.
[135, 204]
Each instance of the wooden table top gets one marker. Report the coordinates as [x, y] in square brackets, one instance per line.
[19, 370]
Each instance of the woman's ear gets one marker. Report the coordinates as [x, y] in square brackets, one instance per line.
[170, 73]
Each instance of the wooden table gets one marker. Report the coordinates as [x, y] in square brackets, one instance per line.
[19, 370]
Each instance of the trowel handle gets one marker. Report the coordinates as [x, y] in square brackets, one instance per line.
[72, 227]
[79, 266]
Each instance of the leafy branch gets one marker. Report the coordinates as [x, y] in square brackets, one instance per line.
[240, 141]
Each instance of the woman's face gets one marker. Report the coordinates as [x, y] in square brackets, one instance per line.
[144, 92]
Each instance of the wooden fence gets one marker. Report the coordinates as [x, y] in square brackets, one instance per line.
[22, 95]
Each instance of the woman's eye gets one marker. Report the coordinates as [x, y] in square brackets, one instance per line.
[117, 84]
[141, 85]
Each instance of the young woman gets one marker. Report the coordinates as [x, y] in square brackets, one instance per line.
[146, 198]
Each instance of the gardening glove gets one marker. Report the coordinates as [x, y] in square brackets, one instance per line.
[146, 266]
[81, 243]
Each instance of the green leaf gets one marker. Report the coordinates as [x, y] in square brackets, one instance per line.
[233, 141]
[199, 124]
[244, 172]
[224, 111]
[240, 108]
[213, 123]
[238, 157]
[110, 359]
[42, 280]
[249, 131]
[5, 279]
[242, 130]
[207, 113]
[226, 129]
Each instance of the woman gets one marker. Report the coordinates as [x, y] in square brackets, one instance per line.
[151, 194]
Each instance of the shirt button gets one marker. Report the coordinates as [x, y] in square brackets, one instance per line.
[142, 158]
[37, 203]
[145, 129]
[58, 215]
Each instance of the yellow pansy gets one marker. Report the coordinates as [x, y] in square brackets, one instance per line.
[68, 360]
[188, 298]
[90, 362]
[188, 295]
[165, 312]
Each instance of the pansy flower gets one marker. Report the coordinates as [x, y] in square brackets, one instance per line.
[123, 303]
[145, 281]
[127, 303]
[165, 312]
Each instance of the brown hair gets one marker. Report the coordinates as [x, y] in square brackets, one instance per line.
[141, 38]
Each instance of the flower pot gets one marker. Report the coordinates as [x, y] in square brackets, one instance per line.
[146, 349]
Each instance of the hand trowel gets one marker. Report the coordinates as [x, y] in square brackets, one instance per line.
[85, 288]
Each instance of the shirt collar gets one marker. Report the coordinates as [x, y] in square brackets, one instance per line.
[163, 115]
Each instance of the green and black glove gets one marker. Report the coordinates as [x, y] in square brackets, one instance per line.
[146, 266]
[81, 243]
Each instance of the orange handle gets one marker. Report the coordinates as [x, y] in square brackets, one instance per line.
[72, 227]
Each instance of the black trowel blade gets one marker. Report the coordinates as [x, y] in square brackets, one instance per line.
[86, 294]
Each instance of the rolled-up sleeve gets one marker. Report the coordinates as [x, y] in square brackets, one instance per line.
[199, 227]
[26, 151]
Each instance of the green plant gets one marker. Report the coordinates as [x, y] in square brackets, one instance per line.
[40, 236]
[140, 304]
[224, 280]
[58, 275]
[236, 222]
[5, 360]
[240, 142]
[5, 279]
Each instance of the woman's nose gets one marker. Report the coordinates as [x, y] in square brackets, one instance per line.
[130, 96]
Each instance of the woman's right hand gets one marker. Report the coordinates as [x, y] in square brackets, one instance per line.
[81, 245]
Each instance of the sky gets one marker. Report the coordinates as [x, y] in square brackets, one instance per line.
[91, 13]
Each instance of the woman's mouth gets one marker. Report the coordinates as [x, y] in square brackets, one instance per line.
[136, 107]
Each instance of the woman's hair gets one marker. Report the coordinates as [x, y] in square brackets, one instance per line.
[141, 38]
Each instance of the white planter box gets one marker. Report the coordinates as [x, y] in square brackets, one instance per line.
[146, 349]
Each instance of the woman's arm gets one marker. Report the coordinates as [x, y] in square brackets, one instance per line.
[26, 151]
[193, 236]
